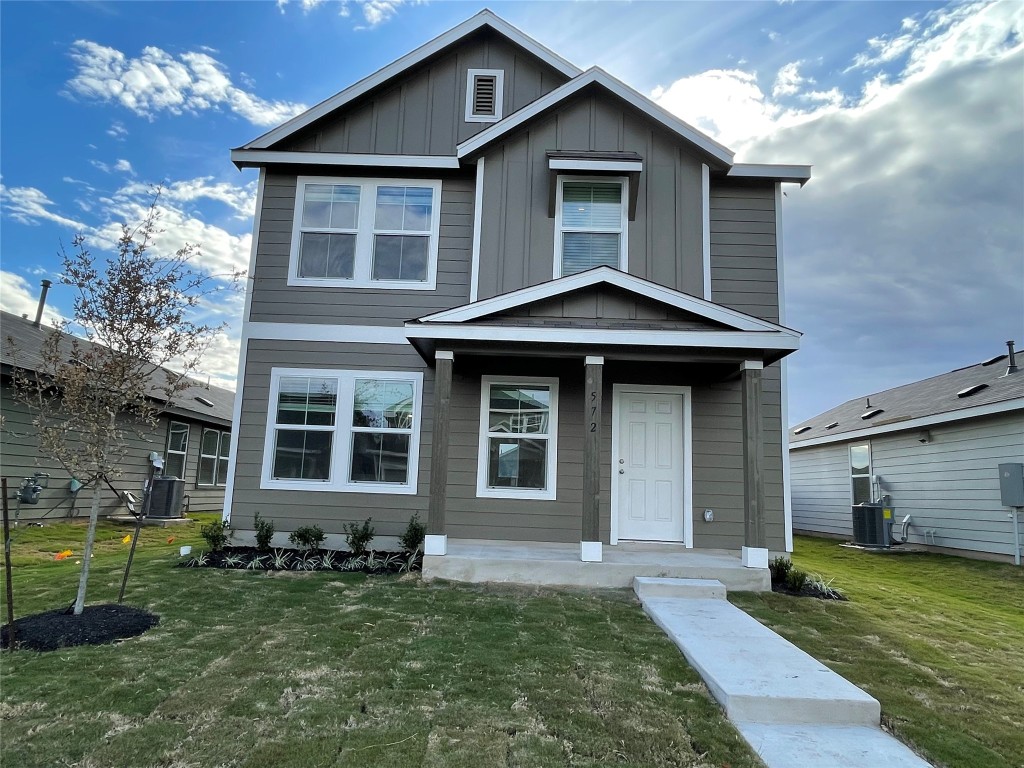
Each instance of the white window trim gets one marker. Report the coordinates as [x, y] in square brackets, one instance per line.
[556, 271]
[184, 453]
[365, 230]
[341, 446]
[870, 473]
[482, 490]
[217, 458]
[499, 95]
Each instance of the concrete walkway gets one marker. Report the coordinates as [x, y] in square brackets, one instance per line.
[793, 710]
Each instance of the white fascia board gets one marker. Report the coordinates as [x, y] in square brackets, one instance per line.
[780, 340]
[360, 334]
[797, 174]
[620, 89]
[989, 409]
[244, 158]
[411, 59]
[601, 166]
[683, 301]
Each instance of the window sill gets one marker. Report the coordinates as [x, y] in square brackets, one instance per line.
[526, 494]
[384, 285]
[324, 485]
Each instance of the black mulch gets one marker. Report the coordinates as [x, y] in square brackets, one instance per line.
[98, 624]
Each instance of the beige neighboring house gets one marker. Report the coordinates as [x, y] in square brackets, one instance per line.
[193, 438]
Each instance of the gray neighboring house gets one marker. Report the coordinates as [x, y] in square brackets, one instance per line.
[934, 446]
[519, 299]
[193, 436]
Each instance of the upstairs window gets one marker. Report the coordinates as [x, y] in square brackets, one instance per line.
[365, 233]
[485, 89]
[590, 224]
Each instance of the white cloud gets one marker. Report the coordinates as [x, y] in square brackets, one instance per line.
[28, 205]
[21, 298]
[789, 80]
[375, 12]
[157, 82]
[124, 166]
[117, 130]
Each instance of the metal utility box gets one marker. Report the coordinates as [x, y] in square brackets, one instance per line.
[872, 525]
[166, 497]
[1011, 485]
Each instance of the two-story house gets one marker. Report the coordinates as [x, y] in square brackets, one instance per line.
[520, 299]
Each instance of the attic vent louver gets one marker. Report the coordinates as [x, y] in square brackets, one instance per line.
[994, 360]
[833, 425]
[800, 430]
[971, 390]
[204, 401]
[484, 92]
[872, 413]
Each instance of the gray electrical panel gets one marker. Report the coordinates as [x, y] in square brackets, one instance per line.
[1011, 485]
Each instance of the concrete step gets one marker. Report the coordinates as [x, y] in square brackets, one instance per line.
[651, 586]
[827, 746]
[756, 675]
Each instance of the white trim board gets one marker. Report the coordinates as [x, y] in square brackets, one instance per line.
[705, 238]
[787, 490]
[483, 19]
[617, 87]
[797, 174]
[246, 158]
[606, 275]
[989, 409]
[687, 425]
[478, 216]
[601, 166]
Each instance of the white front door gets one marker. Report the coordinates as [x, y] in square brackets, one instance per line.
[650, 466]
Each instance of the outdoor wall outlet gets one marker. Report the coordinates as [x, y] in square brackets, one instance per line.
[709, 515]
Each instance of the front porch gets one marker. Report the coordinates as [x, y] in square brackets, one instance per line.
[551, 564]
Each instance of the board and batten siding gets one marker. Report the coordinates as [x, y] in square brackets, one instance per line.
[664, 242]
[744, 259]
[273, 300]
[423, 112]
[949, 486]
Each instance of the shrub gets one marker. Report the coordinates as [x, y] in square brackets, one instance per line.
[264, 533]
[780, 567]
[307, 536]
[412, 539]
[796, 579]
[216, 535]
[358, 537]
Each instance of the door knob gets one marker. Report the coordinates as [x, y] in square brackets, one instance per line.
[622, 471]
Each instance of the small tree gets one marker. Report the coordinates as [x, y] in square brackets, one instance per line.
[139, 311]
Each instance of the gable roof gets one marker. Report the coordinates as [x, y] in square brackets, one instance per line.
[483, 19]
[27, 340]
[939, 399]
[597, 76]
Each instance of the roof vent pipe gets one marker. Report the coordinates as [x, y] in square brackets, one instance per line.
[42, 302]
[1012, 367]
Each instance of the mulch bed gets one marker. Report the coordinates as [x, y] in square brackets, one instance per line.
[280, 559]
[97, 625]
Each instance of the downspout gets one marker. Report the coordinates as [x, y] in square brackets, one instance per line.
[42, 303]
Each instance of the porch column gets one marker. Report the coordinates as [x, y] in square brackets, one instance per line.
[755, 546]
[436, 540]
[590, 540]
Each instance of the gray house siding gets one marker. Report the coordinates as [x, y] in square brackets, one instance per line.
[949, 486]
[274, 300]
[423, 112]
[664, 242]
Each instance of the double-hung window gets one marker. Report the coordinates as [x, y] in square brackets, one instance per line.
[177, 450]
[339, 430]
[365, 233]
[214, 449]
[518, 438]
[591, 216]
[860, 473]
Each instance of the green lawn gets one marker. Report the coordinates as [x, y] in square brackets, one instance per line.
[938, 640]
[253, 669]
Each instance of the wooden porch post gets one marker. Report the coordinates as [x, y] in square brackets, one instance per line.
[590, 540]
[436, 540]
[755, 546]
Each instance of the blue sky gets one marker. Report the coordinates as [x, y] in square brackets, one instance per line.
[904, 256]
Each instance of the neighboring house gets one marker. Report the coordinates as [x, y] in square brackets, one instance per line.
[519, 299]
[934, 446]
[193, 436]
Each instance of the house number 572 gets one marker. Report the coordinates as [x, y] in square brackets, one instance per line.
[593, 411]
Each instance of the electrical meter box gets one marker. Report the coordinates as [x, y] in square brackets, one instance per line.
[1011, 485]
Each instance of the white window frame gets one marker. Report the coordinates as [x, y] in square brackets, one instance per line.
[623, 230]
[217, 458]
[482, 489]
[499, 94]
[870, 473]
[342, 431]
[365, 230]
[183, 453]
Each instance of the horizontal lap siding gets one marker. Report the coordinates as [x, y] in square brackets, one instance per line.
[744, 270]
[820, 483]
[275, 301]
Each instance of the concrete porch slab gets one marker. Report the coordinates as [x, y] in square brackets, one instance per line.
[550, 564]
